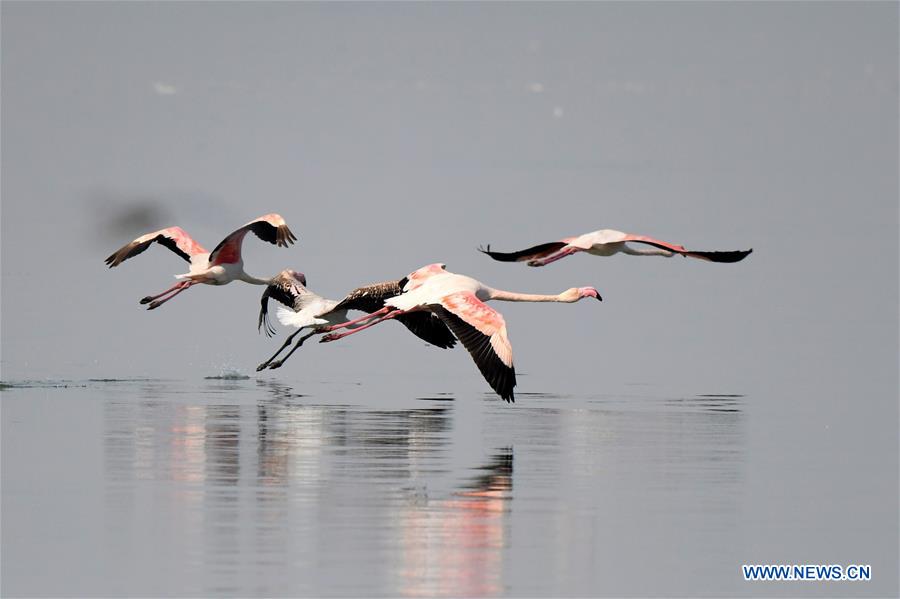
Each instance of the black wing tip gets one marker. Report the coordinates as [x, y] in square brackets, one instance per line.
[726, 257]
[498, 256]
[262, 323]
[503, 386]
[504, 382]
[502, 379]
[118, 257]
[527, 254]
[265, 326]
[284, 236]
[500, 376]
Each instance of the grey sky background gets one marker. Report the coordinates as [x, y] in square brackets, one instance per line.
[391, 136]
[394, 135]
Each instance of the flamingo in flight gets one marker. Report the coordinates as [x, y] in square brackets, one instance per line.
[607, 242]
[458, 301]
[219, 267]
[311, 311]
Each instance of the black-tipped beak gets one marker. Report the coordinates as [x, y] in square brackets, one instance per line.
[599, 298]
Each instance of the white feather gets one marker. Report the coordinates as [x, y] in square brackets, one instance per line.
[289, 318]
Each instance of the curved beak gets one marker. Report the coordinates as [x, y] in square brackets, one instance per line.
[591, 292]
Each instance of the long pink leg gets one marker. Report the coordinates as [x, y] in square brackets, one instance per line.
[336, 336]
[343, 325]
[559, 256]
[157, 303]
[150, 298]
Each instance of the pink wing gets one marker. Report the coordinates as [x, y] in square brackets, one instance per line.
[482, 331]
[270, 228]
[717, 256]
[173, 238]
[678, 249]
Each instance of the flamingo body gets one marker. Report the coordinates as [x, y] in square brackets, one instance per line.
[219, 267]
[459, 301]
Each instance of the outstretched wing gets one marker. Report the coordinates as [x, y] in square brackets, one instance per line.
[720, 256]
[370, 298]
[428, 328]
[482, 331]
[270, 228]
[532, 253]
[173, 238]
[285, 288]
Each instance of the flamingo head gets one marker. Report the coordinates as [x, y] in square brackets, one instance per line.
[575, 294]
[298, 276]
[589, 292]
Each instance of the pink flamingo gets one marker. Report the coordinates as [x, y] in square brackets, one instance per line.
[607, 242]
[219, 267]
[309, 310]
[458, 300]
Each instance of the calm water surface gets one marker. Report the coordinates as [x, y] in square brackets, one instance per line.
[256, 487]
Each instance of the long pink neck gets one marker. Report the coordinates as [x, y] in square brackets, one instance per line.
[512, 296]
[253, 280]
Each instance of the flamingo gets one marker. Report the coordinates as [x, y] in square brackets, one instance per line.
[311, 311]
[458, 301]
[607, 242]
[219, 267]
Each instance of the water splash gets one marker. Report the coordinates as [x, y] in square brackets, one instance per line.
[228, 374]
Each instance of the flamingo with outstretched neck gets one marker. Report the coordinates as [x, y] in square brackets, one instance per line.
[607, 242]
[218, 267]
[459, 301]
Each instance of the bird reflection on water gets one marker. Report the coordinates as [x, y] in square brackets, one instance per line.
[298, 486]
[454, 546]
[266, 488]
[255, 488]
